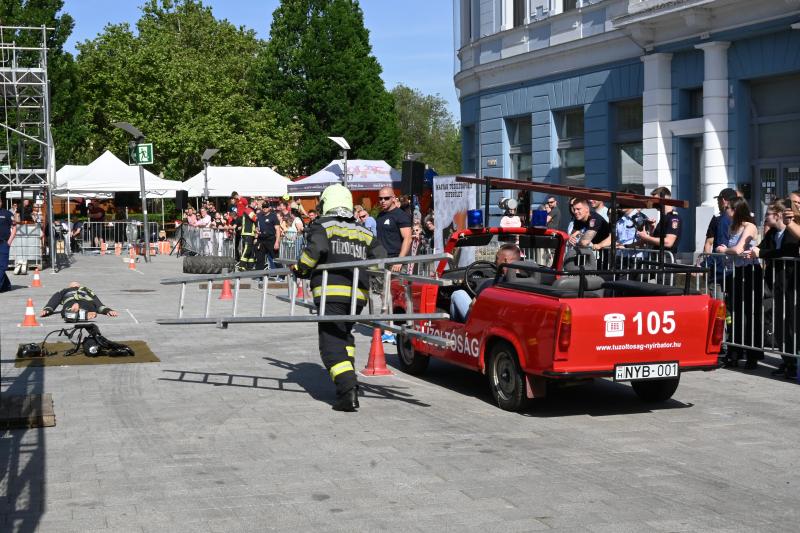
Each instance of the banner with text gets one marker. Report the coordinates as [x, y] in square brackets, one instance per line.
[451, 201]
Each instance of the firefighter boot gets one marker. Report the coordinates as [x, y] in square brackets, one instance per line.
[347, 402]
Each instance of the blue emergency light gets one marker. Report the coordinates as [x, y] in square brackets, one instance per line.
[474, 219]
[539, 218]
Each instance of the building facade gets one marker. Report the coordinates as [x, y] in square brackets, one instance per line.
[696, 95]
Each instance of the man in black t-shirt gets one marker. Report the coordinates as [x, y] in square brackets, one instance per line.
[589, 228]
[394, 227]
[669, 226]
[269, 237]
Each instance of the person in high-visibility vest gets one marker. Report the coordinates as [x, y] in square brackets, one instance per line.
[336, 238]
[249, 225]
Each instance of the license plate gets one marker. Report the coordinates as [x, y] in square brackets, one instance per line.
[645, 371]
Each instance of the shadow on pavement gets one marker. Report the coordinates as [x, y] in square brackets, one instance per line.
[765, 368]
[22, 461]
[310, 378]
[600, 397]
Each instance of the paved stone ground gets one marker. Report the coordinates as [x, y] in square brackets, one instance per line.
[233, 431]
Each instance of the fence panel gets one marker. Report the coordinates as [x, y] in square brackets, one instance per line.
[125, 232]
[762, 301]
[27, 245]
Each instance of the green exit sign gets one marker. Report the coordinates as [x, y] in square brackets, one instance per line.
[141, 154]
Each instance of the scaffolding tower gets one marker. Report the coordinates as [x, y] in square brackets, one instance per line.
[27, 155]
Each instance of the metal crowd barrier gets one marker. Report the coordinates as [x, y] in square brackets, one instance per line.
[291, 246]
[27, 245]
[206, 241]
[383, 318]
[762, 300]
[125, 232]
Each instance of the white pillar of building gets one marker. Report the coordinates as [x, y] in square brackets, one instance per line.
[657, 113]
[715, 176]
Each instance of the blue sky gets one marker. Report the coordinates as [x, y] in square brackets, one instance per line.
[412, 39]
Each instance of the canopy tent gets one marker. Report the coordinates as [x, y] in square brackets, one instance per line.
[107, 174]
[247, 181]
[362, 175]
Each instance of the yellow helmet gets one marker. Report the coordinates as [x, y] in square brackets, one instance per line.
[336, 198]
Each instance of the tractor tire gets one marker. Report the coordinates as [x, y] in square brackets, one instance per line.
[198, 264]
[655, 390]
[506, 379]
[411, 361]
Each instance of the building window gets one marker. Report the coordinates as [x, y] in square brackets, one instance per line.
[570, 5]
[628, 120]
[569, 129]
[519, 12]
[519, 139]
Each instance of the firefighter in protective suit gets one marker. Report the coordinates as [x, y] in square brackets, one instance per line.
[336, 238]
[249, 231]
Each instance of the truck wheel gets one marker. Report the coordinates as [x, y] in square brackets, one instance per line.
[657, 390]
[506, 379]
[411, 361]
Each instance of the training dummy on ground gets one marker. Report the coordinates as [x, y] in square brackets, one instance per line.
[78, 302]
[336, 238]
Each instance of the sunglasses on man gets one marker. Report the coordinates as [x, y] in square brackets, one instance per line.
[385, 198]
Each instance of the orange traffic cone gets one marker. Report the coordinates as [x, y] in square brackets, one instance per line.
[118, 248]
[37, 281]
[300, 294]
[226, 293]
[131, 264]
[103, 247]
[376, 365]
[30, 316]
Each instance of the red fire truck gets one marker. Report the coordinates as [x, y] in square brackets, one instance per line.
[556, 317]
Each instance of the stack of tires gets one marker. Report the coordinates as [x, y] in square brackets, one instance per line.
[199, 264]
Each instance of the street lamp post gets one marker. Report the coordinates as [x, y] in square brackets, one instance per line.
[138, 137]
[345, 147]
[206, 157]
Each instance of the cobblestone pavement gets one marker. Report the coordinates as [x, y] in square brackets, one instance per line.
[233, 431]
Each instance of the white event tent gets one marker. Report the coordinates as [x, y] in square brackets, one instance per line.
[362, 175]
[108, 174]
[247, 181]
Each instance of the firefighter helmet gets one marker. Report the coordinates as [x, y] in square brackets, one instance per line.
[337, 200]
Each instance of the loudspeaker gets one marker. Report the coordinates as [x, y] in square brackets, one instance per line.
[413, 178]
[126, 199]
[181, 200]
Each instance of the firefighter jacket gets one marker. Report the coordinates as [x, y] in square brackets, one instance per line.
[249, 220]
[332, 239]
[83, 296]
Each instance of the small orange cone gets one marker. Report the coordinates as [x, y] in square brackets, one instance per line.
[30, 316]
[376, 365]
[131, 264]
[300, 293]
[103, 247]
[118, 249]
[226, 293]
[37, 281]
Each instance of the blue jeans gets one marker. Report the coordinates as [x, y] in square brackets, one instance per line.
[5, 283]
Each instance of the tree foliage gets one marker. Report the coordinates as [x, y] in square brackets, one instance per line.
[184, 81]
[66, 117]
[318, 70]
[427, 126]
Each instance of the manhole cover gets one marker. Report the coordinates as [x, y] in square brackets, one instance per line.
[138, 290]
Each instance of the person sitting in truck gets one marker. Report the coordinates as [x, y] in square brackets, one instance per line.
[461, 302]
[589, 229]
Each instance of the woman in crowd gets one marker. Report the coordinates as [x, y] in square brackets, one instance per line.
[743, 286]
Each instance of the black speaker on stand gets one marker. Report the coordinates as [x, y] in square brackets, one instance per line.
[181, 200]
[413, 178]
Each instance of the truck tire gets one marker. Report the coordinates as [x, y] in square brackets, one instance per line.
[411, 361]
[198, 264]
[506, 379]
[656, 390]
